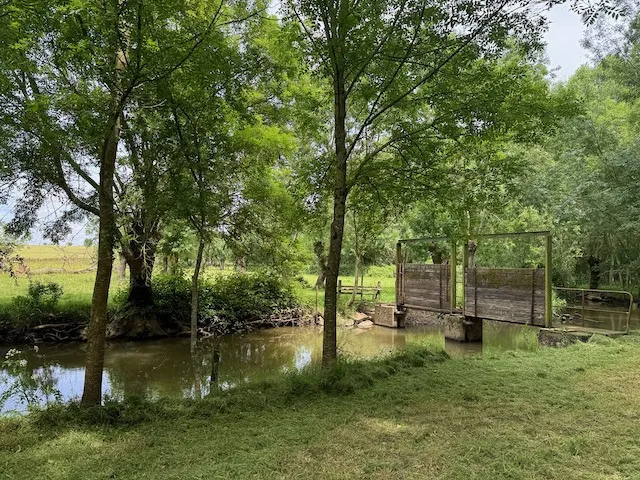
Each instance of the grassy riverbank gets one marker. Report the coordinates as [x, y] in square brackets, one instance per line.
[555, 413]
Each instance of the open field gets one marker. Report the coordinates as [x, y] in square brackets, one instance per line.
[556, 413]
[49, 263]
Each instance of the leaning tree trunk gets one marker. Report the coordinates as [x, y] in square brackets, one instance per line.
[329, 341]
[92, 393]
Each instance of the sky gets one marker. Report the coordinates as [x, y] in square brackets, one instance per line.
[565, 34]
[564, 52]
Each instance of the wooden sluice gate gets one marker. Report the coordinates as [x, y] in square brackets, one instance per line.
[521, 296]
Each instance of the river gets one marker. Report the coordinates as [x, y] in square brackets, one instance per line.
[163, 368]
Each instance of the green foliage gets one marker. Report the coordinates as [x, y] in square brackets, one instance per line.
[172, 297]
[230, 301]
[241, 298]
[44, 296]
[41, 301]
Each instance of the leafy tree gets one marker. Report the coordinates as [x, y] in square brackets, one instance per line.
[404, 76]
[70, 73]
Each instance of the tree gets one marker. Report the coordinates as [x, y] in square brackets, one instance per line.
[70, 72]
[393, 69]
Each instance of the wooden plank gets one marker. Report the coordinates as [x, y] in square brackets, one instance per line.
[513, 295]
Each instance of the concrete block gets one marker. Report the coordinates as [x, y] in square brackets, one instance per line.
[461, 329]
[385, 316]
[388, 316]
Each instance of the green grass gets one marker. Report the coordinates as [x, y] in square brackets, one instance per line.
[306, 292]
[46, 261]
[556, 413]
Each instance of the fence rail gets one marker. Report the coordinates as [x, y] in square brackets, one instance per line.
[583, 292]
[375, 292]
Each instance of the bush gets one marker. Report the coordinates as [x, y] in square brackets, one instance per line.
[172, 296]
[234, 299]
[41, 301]
[242, 298]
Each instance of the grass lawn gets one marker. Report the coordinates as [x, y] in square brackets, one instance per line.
[568, 413]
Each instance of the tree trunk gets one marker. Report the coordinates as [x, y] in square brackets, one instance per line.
[197, 363]
[241, 264]
[329, 342]
[172, 263]
[122, 267]
[194, 296]
[594, 272]
[321, 262]
[92, 393]
[355, 281]
[140, 270]
[165, 264]
[471, 259]
[141, 320]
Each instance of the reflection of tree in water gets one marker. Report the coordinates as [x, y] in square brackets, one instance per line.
[164, 368]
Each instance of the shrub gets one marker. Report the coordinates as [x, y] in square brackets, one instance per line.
[41, 300]
[44, 296]
[234, 299]
[241, 298]
[172, 296]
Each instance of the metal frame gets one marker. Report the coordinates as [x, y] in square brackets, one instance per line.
[548, 314]
[582, 309]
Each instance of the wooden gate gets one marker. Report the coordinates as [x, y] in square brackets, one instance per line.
[515, 295]
[426, 286]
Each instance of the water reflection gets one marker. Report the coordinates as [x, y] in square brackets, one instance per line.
[164, 368]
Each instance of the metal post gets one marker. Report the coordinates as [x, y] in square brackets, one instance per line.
[398, 274]
[454, 266]
[548, 307]
[465, 264]
[582, 311]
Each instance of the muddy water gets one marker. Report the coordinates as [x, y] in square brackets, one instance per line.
[163, 368]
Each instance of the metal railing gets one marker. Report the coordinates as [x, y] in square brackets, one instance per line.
[583, 298]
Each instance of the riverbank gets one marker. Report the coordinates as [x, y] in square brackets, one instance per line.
[553, 413]
[227, 304]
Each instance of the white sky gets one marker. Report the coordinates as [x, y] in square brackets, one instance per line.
[564, 52]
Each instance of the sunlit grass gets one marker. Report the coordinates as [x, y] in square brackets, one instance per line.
[552, 414]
